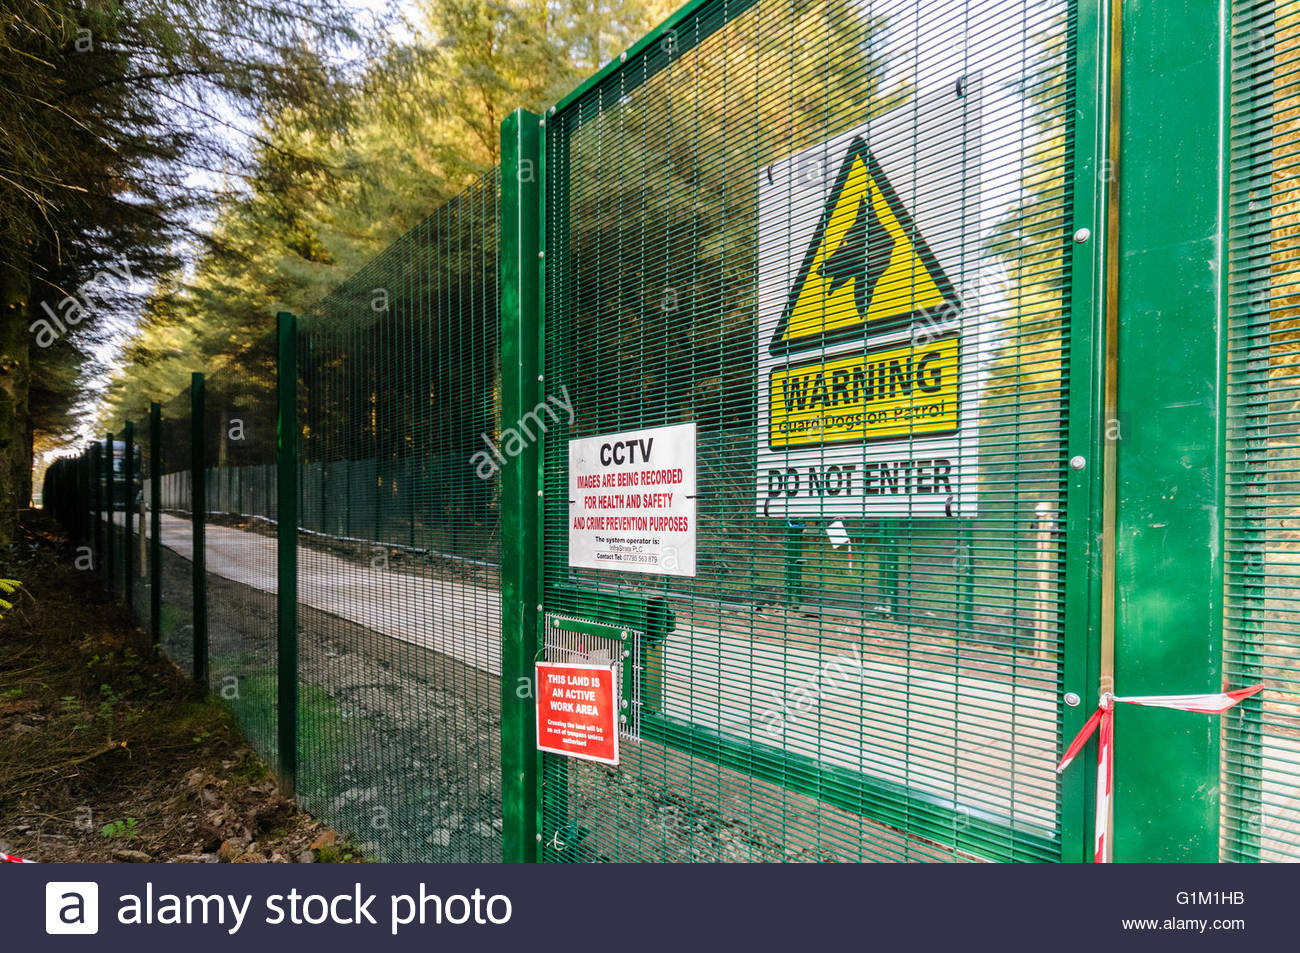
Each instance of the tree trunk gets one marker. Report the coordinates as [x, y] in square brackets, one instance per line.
[15, 379]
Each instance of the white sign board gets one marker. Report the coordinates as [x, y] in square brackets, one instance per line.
[632, 501]
[872, 347]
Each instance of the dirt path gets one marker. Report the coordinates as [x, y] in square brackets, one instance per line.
[429, 612]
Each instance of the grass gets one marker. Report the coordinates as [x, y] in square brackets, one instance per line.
[322, 722]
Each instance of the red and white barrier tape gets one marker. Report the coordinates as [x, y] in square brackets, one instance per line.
[11, 859]
[1103, 721]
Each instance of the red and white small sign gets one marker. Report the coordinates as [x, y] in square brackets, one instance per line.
[577, 713]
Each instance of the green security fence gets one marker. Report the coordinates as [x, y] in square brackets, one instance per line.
[891, 630]
[240, 569]
[663, 179]
[399, 605]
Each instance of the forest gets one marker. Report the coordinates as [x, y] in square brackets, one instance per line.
[173, 172]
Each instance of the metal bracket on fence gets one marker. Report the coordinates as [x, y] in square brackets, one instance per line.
[570, 639]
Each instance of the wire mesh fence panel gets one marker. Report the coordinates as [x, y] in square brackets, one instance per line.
[1260, 814]
[832, 237]
[398, 561]
[176, 629]
[239, 450]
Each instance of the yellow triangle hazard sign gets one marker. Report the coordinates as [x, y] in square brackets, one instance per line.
[867, 266]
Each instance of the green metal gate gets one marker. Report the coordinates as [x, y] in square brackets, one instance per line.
[870, 657]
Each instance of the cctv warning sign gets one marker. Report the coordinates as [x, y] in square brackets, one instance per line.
[632, 501]
[873, 343]
[577, 713]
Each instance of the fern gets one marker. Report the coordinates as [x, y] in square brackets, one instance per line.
[8, 587]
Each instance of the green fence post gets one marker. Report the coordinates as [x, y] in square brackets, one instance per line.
[88, 477]
[521, 571]
[893, 547]
[111, 529]
[1086, 264]
[96, 506]
[80, 498]
[324, 499]
[794, 563]
[75, 480]
[1170, 457]
[286, 444]
[155, 524]
[198, 517]
[128, 516]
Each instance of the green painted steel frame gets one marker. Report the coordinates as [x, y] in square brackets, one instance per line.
[1170, 490]
[76, 504]
[286, 483]
[1171, 310]
[1084, 264]
[1089, 141]
[521, 536]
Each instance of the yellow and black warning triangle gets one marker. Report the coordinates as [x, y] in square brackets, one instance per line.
[868, 268]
